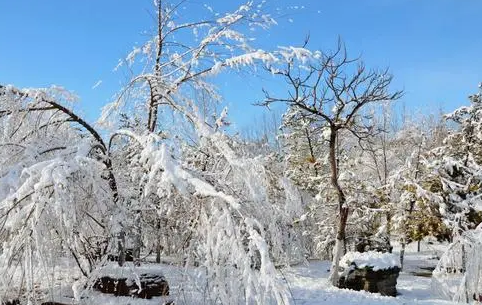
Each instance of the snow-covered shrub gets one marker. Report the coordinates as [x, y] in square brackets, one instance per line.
[458, 167]
[55, 198]
[237, 229]
[458, 275]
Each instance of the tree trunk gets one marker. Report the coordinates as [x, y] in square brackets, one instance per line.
[402, 254]
[153, 105]
[410, 210]
[136, 251]
[158, 241]
[342, 210]
[122, 248]
[153, 84]
[405, 234]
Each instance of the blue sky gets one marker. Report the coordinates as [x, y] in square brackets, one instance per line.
[432, 47]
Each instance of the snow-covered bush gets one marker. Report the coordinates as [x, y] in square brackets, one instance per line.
[458, 167]
[57, 191]
[239, 216]
[458, 275]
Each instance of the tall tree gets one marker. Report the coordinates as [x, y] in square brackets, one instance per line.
[170, 69]
[233, 200]
[457, 180]
[333, 90]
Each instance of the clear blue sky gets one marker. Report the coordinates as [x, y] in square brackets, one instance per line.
[432, 47]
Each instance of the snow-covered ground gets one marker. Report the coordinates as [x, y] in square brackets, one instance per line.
[308, 284]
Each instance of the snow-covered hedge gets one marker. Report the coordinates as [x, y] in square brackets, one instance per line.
[370, 259]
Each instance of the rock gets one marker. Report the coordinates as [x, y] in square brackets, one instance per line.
[109, 285]
[12, 302]
[129, 256]
[477, 297]
[152, 285]
[380, 281]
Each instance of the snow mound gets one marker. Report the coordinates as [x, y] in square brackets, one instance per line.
[373, 259]
[129, 270]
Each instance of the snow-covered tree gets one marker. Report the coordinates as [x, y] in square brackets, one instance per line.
[455, 171]
[176, 60]
[58, 191]
[412, 205]
[333, 90]
[170, 69]
[237, 214]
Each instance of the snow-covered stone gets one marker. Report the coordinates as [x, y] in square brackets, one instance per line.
[370, 271]
[371, 259]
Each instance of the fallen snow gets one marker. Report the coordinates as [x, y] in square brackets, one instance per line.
[129, 270]
[308, 284]
[376, 260]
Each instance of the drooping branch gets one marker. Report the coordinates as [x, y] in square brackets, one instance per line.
[172, 62]
[53, 105]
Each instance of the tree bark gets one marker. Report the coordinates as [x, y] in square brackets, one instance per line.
[342, 209]
[412, 206]
[153, 83]
[136, 251]
[122, 248]
[158, 241]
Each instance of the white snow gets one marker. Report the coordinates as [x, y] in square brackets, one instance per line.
[308, 283]
[376, 260]
[309, 286]
[97, 84]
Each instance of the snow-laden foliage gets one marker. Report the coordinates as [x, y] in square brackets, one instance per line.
[412, 206]
[56, 200]
[305, 150]
[458, 275]
[54, 196]
[459, 165]
[176, 60]
[458, 171]
[237, 227]
[234, 219]
[442, 182]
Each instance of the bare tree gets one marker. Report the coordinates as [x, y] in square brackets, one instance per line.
[333, 89]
